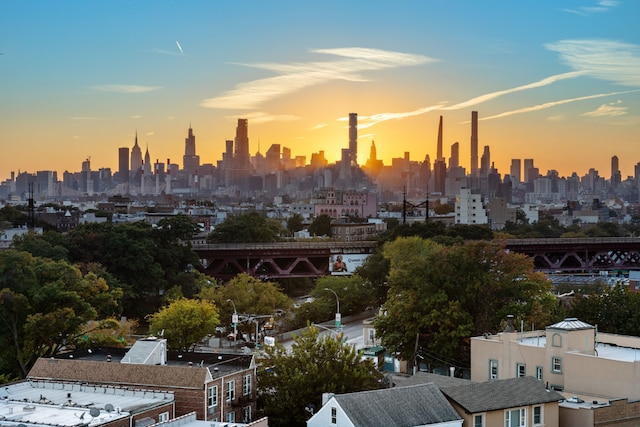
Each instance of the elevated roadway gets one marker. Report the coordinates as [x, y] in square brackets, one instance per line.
[312, 258]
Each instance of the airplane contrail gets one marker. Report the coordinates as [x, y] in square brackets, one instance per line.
[179, 47]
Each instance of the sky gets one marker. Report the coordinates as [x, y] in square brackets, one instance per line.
[552, 80]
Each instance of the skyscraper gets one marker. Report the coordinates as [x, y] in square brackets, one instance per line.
[528, 167]
[516, 170]
[474, 143]
[136, 156]
[454, 160]
[241, 156]
[439, 155]
[353, 138]
[485, 161]
[616, 178]
[190, 161]
[123, 164]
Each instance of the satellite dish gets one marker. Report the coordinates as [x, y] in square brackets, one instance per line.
[94, 412]
[108, 407]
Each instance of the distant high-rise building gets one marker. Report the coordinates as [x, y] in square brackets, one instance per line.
[136, 157]
[439, 155]
[272, 158]
[485, 162]
[147, 163]
[516, 170]
[373, 165]
[123, 164]
[616, 177]
[454, 160]
[528, 165]
[353, 138]
[190, 161]
[474, 143]
[241, 156]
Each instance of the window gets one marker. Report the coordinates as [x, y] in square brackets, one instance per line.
[246, 385]
[537, 416]
[163, 417]
[493, 369]
[539, 373]
[246, 414]
[478, 420]
[556, 340]
[334, 415]
[230, 417]
[521, 370]
[515, 418]
[212, 399]
[231, 390]
[556, 365]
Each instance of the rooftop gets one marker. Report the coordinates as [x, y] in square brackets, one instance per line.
[46, 403]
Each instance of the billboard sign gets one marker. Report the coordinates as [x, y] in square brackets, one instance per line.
[345, 264]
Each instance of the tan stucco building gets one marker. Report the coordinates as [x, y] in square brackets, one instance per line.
[596, 372]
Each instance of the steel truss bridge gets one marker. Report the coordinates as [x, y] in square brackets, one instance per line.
[580, 254]
[311, 259]
[275, 260]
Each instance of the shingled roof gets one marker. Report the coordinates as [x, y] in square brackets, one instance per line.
[397, 407]
[123, 374]
[501, 394]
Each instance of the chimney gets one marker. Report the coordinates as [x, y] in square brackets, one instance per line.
[510, 327]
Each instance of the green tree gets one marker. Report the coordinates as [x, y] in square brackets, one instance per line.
[321, 226]
[184, 322]
[617, 311]
[444, 294]
[251, 296]
[289, 381]
[295, 223]
[44, 305]
[251, 227]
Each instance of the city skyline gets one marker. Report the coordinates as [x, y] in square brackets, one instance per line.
[554, 82]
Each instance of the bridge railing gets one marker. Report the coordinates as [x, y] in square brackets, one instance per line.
[284, 245]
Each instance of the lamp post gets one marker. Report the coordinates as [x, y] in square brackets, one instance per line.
[338, 319]
[234, 320]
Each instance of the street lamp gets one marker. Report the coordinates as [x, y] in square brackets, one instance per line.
[338, 319]
[234, 320]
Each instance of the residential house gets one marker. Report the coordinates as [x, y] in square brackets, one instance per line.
[517, 402]
[419, 405]
[216, 386]
[598, 373]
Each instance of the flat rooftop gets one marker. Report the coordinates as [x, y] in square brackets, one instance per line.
[47, 403]
[604, 350]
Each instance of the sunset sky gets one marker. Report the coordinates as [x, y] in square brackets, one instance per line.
[553, 80]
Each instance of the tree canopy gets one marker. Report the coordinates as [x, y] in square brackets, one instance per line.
[321, 226]
[251, 227]
[289, 381]
[251, 296]
[442, 295]
[184, 322]
[44, 306]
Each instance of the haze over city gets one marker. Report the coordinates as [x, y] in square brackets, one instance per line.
[558, 82]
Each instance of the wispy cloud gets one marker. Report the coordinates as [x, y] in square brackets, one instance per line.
[127, 88]
[262, 117]
[554, 104]
[320, 126]
[608, 110]
[540, 83]
[83, 118]
[601, 6]
[608, 60]
[297, 76]
[368, 121]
